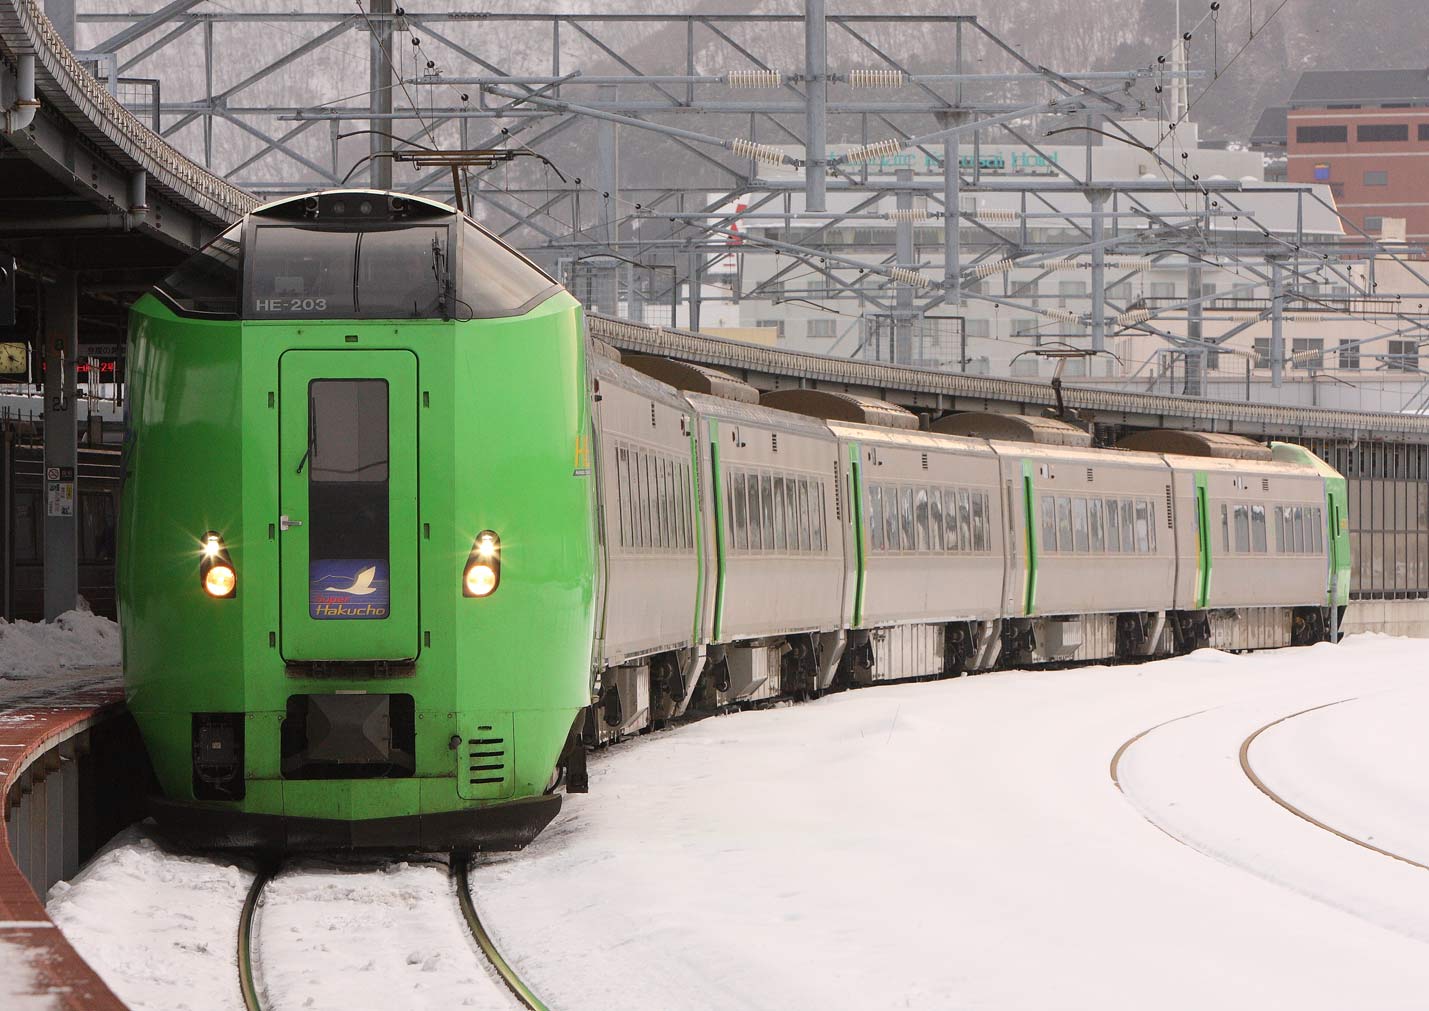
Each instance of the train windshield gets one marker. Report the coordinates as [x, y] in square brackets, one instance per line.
[206, 284]
[396, 273]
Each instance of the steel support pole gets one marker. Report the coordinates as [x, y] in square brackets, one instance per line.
[904, 252]
[1277, 325]
[952, 220]
[1195, 356]
[696, 282]
[380, 100]
[1098, 199]
[61, 330]
[816, 70]
[608, 214]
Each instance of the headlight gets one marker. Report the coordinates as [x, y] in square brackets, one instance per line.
[216, 571]
[483, 566]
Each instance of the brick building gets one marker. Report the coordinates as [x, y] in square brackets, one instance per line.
[1366, 134]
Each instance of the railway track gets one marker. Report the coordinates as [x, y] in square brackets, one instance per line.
[253, 999]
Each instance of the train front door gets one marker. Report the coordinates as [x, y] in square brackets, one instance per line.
[347, 462]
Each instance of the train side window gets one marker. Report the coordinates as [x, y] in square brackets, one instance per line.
[741, 514]
[685, 504]
[1113, 525]
[1128, 527]
[1318, 527]
[965, 528]
[1065, 540]
[1257, 529]
[636, 512]
[1225, 529]
[1279, 524]
[806, 518]
[1143, 526]
[1080, 537]
[677, 525]
[950, 519]
[980, 520]
[819, 510]
[1094, 520]
[791, 510]
[890, 517]
[1151, 522]
[905, 515]
[875, 516]
[658, 511]
[1300, 529]
[781, 516]
[766, 485]
[1290, 530]
[622, 493]
[920, 517]
[652, 516]
[935, 519]
[756, 524]
[1242, 529]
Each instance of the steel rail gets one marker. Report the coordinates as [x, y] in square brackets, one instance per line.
[461, 878]
[1261, 785]
[246, 983]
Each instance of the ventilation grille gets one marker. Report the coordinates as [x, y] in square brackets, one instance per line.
[1265, 484]
[1170, 523]
[486, 758]
[925, 461]
[652, 415]
[1090, 475]
[774, 441]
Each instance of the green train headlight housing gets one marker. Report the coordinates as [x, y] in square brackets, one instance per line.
[483, 566]
[216, 570]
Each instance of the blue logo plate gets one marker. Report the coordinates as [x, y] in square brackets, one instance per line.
[348, 589]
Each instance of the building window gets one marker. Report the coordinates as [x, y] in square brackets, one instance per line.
[1162, 289]
[823, 329]
[1308, 344]
[977, 328]
[1070, 290]
[775, 324]
[1349, 355]
[1402, 355]
[1321, 134]
[1120, 293]
[1381, 132]
[1262, 352]
[1376, 177]
[1373, 223]
[1424, 131]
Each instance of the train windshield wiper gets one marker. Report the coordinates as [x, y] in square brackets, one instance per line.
[312, 435]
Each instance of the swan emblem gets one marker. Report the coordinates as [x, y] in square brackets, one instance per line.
[361, 583]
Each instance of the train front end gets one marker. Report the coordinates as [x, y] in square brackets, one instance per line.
[357, 556]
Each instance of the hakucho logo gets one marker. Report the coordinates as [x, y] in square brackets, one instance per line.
[348, 588]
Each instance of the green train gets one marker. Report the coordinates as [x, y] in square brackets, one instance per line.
[399, 540]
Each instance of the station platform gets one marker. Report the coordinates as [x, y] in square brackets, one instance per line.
[49, 729]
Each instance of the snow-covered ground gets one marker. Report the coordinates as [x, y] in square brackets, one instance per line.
[958, 844]
[74, 639]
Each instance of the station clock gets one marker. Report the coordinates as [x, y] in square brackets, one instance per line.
[14, 360]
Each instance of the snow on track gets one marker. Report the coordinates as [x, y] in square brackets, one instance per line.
[342, 936]
[959, 844]
[159, 927]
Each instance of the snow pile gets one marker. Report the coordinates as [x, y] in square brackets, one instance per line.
[159, 928]
[74, 639]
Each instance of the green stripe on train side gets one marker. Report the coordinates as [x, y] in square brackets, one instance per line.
[697, 524]
[1029, 564]
[717, 491]
[855, 510]
[1203, 543]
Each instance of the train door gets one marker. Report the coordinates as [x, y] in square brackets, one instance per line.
[347, 480]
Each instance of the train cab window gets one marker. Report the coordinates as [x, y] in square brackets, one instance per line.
[980, 538]
[1242, 529]
[1080, 535]
[495, 279]
[300, 271]
[1094, 519]
[738, 514]
[1257, 529]
[935, 518]
[403, 274]
[920, 518]
[208, 283]
[1113, 525]
[905, 514]
[1065, 539]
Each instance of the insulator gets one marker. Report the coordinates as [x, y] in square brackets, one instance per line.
[1065, 315]
[909, 277]
[754, 79]
[993, 267]
[1134, 316]
[867, 78]
[1059, 265]
[1134, 263]
[909, 214]
[767, 153]
[995, 216]
[878, 149]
